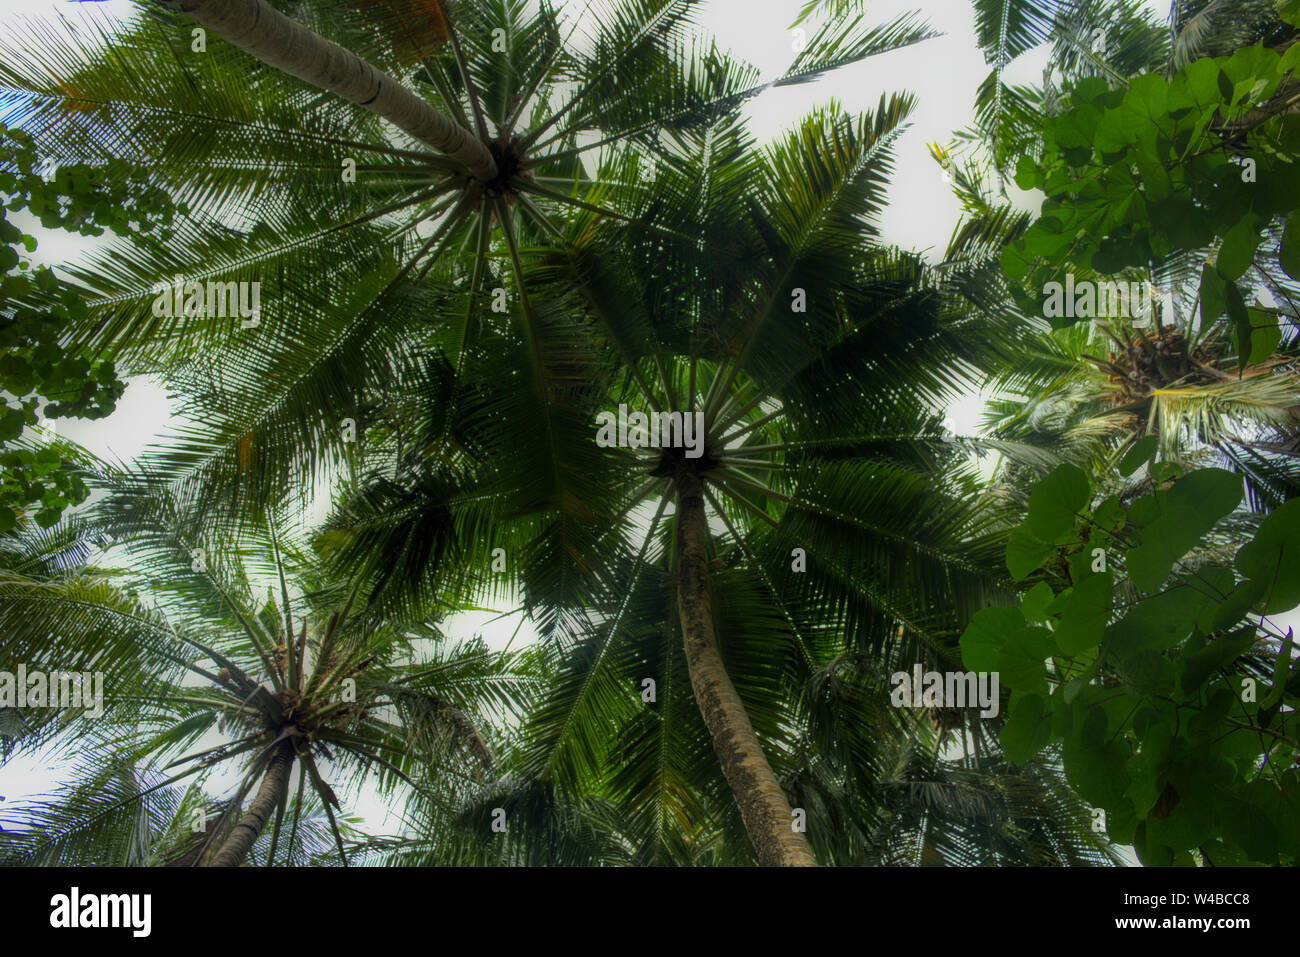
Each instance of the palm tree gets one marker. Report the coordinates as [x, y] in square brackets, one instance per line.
[820, 419]
[259, 29]
[1111, 39]
[639, 41]
[111, 816]
[1089, 395]
[315, 688]
[878, 785]
[1092, 393]
[259, 159]
[817, 361]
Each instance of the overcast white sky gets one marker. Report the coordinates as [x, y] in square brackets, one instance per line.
[943, 72]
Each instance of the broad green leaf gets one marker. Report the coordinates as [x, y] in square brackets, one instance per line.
[1022, 662]
[1055, 503]
[1199, 665]
[1160, 621]
[1146, 96]
[1015, 261]
[1083, 614]
[1184, 513]
[1272, 558]
[1265, 334]
[46, 461]
[1028, 728]
[1213, 295]
[1138, 455]
[1121, 823]
[1238, 249]
[1204, 726]
[1240, 317]
[1281, 669]
[1147, 673]
[1290, 59]
[1247, 826]
[1035, 601]
[1150, 851]
[1026, 173]
[1025, 553]
[1109, 514]
[981, 643]
[1149, 769]
[1289, 253]
[1099, 774]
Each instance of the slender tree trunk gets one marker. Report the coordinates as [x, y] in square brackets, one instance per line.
[763, 805]
[277, 41]
[274, 785]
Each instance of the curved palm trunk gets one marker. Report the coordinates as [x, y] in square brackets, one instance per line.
[277, 41]
[274, 785]
[763, 805]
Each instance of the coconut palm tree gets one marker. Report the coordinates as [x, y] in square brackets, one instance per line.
[260, 30]
[1090, 394]
[741, 286]
[877, 785]
[812, 522]
[1111, 39]
[342, 216]
[199, 676]
[110, 816]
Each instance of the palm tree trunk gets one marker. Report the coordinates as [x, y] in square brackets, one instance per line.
[274, 785]
[763, 805]
[277, 41]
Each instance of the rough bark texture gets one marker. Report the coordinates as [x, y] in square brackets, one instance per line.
[763, 805]
[274, 784]
[277, 41]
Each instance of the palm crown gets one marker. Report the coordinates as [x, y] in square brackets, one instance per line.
[465, 316]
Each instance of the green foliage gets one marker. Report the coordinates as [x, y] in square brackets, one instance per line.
[1157, 674]
[38, 309]
[1135, 174]
[194, 661]
[680, 300]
